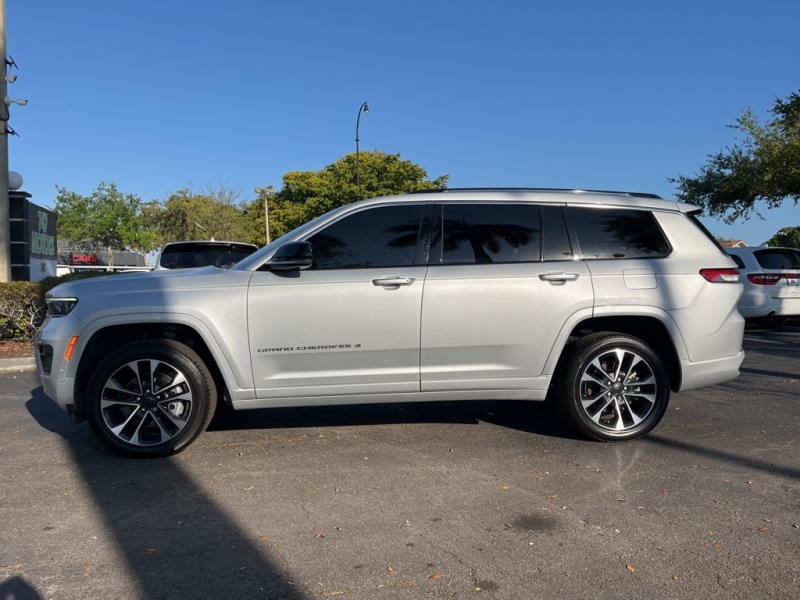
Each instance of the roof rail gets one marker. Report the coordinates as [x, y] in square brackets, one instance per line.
[576, 191]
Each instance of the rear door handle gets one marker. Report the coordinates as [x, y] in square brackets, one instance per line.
[393, 281]
[559, 276]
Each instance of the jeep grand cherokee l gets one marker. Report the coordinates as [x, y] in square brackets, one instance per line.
[602, 302]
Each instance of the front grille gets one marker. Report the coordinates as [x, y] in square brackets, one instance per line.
[46, 357]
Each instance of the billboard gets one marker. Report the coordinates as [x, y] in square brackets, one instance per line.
[33, 239]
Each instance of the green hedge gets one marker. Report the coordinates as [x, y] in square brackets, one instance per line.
[22, 307]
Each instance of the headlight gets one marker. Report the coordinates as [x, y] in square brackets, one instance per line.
[60, 307]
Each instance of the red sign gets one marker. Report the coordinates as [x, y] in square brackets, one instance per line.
[84, 259]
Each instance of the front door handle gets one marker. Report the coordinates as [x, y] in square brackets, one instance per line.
[556, 277]
[393, 281]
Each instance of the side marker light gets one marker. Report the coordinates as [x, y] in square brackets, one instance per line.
[71, 347]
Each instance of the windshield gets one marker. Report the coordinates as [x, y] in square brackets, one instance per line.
[194, 254]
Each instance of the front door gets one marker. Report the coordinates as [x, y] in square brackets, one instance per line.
[350, 324]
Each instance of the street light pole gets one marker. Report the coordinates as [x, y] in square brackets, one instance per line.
[365, 108]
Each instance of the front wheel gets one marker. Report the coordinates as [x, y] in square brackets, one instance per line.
[613, 387]
[150, 399]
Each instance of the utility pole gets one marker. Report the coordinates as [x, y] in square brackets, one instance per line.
[267, 196]
[5, 219]
[266, 192]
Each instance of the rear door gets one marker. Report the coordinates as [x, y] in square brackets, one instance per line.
[492, 307]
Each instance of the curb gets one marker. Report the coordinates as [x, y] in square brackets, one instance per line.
[17, 364]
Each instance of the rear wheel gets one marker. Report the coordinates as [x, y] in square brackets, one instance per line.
[150, 399]
[613, 387]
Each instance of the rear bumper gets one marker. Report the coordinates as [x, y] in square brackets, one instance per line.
[757, 304]
[709, 372]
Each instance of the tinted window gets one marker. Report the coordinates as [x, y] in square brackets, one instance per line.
[778, 258]
[694, 219]
[618, 233]
[189, 255]
[555, 242]
[487, 233]
[377, 237]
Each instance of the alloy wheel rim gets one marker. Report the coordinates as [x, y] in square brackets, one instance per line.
[146, 402]
[618, 390]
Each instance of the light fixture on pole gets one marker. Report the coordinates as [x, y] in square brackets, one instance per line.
[365, 108]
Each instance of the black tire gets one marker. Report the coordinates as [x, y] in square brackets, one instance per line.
[150, 399]
[613, 387]
[771, 322]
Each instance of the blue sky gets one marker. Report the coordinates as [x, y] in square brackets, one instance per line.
[157, 95]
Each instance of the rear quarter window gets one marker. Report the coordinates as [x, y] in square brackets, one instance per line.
[608, 233]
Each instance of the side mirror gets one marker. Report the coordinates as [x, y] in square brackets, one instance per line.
[292, 256]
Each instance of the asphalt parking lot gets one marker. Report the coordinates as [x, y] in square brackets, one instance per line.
[450, 500]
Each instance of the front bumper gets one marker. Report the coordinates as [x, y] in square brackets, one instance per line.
[51, 342]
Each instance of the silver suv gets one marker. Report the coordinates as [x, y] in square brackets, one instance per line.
[602, 302]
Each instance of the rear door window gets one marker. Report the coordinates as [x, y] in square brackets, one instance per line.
[555, 240]
[486, 233]
[608, 233]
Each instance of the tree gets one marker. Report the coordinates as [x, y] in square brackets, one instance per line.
[788, 237]
[283, 216]
[306, 195]
[762, 166]
[106, 218]
[189, 215]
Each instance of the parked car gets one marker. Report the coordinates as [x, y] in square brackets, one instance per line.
[771, 278]
[603, 302]
[186, 255]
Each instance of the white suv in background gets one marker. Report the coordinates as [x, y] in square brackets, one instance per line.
[603, 302]
[771, 278]
[188, 255]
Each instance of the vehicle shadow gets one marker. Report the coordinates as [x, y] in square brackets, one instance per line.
[176, 542]
[537, 418]
[17, 588]
[722, 456]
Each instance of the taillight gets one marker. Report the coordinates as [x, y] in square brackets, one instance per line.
[721, 275]
[764, 278]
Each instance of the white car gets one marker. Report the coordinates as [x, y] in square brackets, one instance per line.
[771, 278]
[187, 255]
